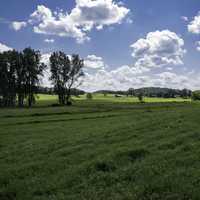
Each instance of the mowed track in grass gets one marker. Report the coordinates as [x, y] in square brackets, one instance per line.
[101, 150]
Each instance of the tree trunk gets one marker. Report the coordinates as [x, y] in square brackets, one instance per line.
[29, 101]
[20, 100]
[68, 102]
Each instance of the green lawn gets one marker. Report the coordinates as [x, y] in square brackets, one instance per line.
[100, 150]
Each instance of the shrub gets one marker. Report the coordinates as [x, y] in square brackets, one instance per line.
[196, 95]
[140, 98]
[89, 96]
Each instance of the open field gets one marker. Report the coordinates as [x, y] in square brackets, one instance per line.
[44, 99]
[100, 150]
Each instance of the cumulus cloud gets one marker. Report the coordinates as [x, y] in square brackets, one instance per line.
[49, 40]
[198, 45]
[98, 13]
[158, 49]
[18, 25]
[94, 62]
[172, 79]
[45, 79]
[194, 25]
[184, 18]
[4, 47]
[86, 15]
[121, 78]
[126, 76]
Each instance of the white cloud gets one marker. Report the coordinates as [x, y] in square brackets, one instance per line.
[18, 25]
[60, 24]
[4, 47]
[194, 25]
[94, 13]
[125, 77]
[49, 40]
[169, 68]
[86, 15]
[184, 18]
[121, 78]
[198, 45]
[129, 20]
[158, 49]
[45, 79]
[170, 78]
[94, 62]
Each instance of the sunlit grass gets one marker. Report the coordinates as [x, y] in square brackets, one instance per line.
[112, 98]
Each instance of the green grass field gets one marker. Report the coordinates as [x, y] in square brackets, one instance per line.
[111, 98]
[103, 149]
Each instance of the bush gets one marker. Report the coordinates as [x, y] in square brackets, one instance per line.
[140, 98]
[196, 95]
[69, 103]
[89, 96]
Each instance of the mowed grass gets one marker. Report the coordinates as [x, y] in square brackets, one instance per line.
[101, 150]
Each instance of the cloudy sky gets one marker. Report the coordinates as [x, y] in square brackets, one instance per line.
[125, 43]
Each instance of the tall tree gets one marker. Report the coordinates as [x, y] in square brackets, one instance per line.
[75, 72]
[8, 78]
[56, 67]
[65, 74]
[3, 79]
[20, 78]
[34, 69]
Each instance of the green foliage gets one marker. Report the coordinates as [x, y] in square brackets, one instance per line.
[19, 76]
[140, 98]
[196, 95]
[65, 73]
[89, 96]
[34, 69]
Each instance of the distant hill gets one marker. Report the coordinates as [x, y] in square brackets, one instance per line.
[151, 92]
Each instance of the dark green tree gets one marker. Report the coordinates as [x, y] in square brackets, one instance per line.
[196, 95]
[8, 78]
[89, 96]
[19, 76]
[65, 74]
[4, 79]
[33, 70]
[140, 98]
[131, 92]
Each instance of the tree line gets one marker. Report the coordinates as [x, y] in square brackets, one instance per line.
[151, 92]
[21, 72]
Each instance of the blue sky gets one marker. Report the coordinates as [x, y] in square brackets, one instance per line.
[103, 34]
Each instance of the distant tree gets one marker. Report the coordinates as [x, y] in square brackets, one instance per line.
[185, 93]
[131, 92]
[196, 96]
[140, 98]
[89, 96]
[65, 73]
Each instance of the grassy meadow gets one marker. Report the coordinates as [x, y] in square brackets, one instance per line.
[47, 99]
[102, 149]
